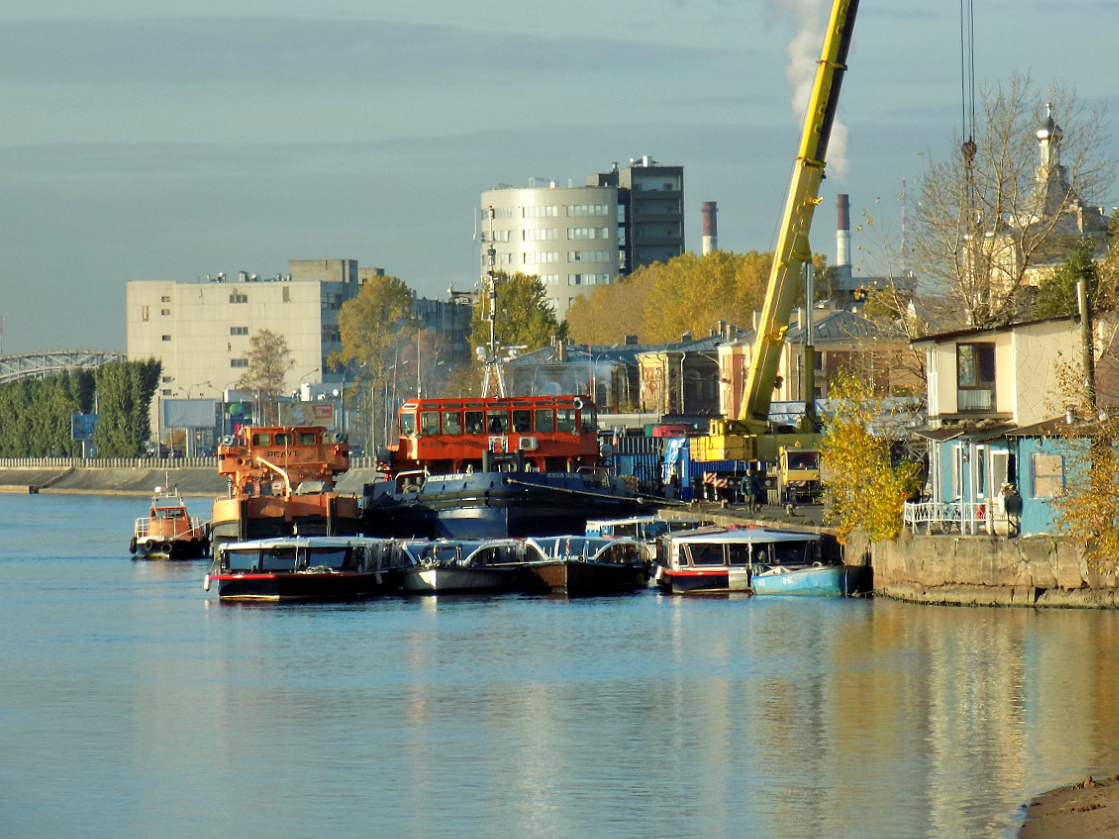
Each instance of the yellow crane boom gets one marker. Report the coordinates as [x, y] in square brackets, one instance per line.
[744, 438]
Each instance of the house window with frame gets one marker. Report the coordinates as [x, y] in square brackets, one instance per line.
[1048, 473]
[975, 377]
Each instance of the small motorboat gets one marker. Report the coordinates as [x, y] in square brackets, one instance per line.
[463, 565]
[720, 560]
[588, 564]
[814, 579]
[304, 568]
[169, 531]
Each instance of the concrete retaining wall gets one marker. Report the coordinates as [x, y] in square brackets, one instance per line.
[990, 571]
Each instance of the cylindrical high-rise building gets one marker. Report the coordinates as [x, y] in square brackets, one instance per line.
[710, 227]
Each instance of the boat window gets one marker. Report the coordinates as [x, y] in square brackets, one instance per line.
[429, 422]
[565, 419]
[497, 422]
[738, 554]
[335, 558]
[280, 559]
[261, 439]
[306, 438]
[702, 554]
[522, 421]
[792, 552]
[241, 560]
[589, 419]
[474, 423]
[407, 423]
[452, 422]
[283, 439]
[545, 420]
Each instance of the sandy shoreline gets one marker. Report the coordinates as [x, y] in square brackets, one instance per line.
[1087, 808]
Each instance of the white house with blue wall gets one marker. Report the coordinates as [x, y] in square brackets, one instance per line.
[992, 401]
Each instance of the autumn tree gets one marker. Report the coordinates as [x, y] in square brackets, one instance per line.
[868, 481]
[269, 362]
[373, 326]
[1087, 511]
[611, 312]
[524, 319]
[988, 214]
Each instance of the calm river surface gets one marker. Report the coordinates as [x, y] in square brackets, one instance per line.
[132, 707]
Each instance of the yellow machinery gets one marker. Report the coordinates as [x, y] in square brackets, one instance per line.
[749, 436]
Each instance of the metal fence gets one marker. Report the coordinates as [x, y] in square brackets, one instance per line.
[965, 517]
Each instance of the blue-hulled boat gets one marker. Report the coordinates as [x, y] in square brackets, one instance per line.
[815, 579]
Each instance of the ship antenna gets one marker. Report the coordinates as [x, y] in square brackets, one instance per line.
[492, 368]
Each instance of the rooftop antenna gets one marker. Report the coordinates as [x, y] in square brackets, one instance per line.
[492, 366]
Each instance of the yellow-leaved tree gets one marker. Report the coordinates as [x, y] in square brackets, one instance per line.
[868, 479]
[1087, 511]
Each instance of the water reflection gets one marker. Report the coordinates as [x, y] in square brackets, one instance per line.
[162, 713]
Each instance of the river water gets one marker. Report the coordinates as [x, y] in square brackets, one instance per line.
[131, 706]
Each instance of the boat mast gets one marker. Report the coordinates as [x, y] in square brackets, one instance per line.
[492, 367]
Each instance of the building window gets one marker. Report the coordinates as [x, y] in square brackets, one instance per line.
[541, 258]
[588, 279]
[238, 330]
[167, 379]
[549, 279]
[165, 312]
[588, 256]
[238, 362]
[498, 235]
[238, 298]
[165, 298]
[588, 233]
[541, 212]
[165, 338]
[1048, 475]
[499, 213]
[975, 377]
[542, 234]
[287, 294]
[588, 210]
[145, 313]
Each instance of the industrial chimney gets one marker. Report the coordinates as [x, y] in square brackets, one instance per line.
[710, 227]
[843, 232]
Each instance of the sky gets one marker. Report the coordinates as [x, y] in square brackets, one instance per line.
[169, 141]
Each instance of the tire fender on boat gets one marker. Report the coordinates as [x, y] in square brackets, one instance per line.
[166, 547]
[578, 403]
[132, 545]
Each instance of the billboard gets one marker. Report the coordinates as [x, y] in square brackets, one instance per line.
[189, 413]
[81, 426]
[307, 413]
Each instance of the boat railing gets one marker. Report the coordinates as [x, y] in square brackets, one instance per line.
[199, 528]
[964, 517]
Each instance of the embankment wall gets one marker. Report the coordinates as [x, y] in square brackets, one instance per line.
[132, 476]
[990, 571]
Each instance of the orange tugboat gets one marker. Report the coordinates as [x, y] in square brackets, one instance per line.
[281, 483]
[169, 531]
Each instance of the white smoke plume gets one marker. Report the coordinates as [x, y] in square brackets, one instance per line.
[804, 49]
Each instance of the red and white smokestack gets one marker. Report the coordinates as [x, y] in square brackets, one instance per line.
[843, 232]
[710, 227]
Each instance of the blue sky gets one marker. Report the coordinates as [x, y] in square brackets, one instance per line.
[168, 141]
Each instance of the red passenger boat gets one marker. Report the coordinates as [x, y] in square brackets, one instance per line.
[494, 467]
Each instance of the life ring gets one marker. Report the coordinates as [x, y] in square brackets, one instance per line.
[578, 403]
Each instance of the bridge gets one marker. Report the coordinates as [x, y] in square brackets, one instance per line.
[37, 365]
